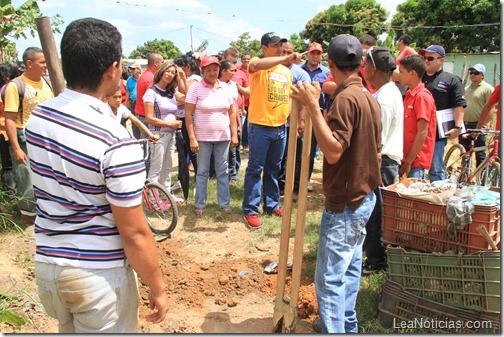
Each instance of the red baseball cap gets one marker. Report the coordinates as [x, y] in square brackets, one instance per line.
[208, 60]
[315, 46]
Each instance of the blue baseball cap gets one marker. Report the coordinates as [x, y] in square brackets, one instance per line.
[433, 49]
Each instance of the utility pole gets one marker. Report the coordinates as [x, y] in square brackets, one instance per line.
[190, 29]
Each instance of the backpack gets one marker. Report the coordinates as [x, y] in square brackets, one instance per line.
[21, 85]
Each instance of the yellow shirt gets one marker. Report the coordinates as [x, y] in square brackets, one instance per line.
[35, 93]
[269, 96]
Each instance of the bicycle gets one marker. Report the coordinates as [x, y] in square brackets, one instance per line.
[459, 162]
[159, 206]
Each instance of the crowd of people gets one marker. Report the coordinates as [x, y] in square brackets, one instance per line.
[81, 173]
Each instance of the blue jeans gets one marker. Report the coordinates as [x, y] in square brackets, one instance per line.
[373, 247]
[339, 263]
[220, 152]
[417, 172]
[266, 148]
[437, 169]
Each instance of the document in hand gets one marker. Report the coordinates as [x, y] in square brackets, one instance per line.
[446, 122]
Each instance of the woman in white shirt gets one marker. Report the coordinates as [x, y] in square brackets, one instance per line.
[160, 102]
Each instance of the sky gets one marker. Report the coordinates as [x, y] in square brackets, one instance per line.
[218, 21]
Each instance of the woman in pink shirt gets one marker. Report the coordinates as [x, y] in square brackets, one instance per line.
[209, 110]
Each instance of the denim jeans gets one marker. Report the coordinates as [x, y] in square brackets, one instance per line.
[417, 172]
[339, 263]
[89, 300]
[373, 247]
[266, 148]
[245, 130]
[297, 169]
[437, 169]
[220, 151]
[161, 154]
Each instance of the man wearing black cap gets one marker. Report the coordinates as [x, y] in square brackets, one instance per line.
[448, 92]
[379, 66]
[269, 108]
[350, 138]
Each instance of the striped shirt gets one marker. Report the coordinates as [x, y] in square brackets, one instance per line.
[211, 117]
[82, 161]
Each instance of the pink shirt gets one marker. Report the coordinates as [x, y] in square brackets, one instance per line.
[241, 78]
[211, 117]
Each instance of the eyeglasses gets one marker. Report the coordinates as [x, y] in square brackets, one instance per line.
[232, 71]
[431, 58]
[370, 54]
[474, 73]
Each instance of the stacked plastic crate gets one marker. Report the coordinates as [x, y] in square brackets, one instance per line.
[440, 279]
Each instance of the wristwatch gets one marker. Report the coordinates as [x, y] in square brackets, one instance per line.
[458, 127]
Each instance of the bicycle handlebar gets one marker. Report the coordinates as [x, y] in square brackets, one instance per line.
[483, 131]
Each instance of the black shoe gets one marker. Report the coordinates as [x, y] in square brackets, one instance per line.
[368, 269]
[317, 325]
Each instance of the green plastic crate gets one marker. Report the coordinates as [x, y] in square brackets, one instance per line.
[464, 281]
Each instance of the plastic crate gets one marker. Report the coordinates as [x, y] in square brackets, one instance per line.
[463, 281]
[407, 312]
[420, 225]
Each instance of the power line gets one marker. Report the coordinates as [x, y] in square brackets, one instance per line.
[312, 23]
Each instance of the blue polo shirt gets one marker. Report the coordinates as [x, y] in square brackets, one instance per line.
[319, 75]
[131, 85]
[298, 74]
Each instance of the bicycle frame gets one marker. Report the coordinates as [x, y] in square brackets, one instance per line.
[492, 156]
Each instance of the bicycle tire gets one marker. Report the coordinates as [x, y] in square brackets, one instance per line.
[456, 162]
[162, 219]
[493, 177]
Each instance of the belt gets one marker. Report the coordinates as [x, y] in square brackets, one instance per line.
[133, 101]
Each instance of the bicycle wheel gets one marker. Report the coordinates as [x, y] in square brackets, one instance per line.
[492, 179]
[159, 209]
[456, 163]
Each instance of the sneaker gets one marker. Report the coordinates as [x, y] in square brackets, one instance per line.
[277, 213]
[178, 200]
[165, 205]
[294, 197]
[253, 220]
[227, 209]
[190, 167]
[310, 187]
[200, 211]
[317, 325]
[177, 186]
[28, 213]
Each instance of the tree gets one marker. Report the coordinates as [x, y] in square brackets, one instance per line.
[15, 23]
[245, 44]
[164, 47]
[299, 44]
[356, 17]
[202, 47]
[461, 14]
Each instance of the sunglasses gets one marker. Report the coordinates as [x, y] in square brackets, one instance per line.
[431, 58]
[474, 73]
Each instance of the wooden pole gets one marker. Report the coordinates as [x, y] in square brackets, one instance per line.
[51, 54]
[281, 311]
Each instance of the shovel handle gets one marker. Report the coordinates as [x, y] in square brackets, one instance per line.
[484, 232]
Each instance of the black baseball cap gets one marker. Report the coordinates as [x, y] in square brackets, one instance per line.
[345, 50]
[271, 37]
[383, 58]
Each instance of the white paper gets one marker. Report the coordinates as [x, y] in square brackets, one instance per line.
[446, 122]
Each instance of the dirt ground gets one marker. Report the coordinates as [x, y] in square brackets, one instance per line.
[213, 268]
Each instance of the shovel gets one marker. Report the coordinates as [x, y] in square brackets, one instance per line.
[285, 312]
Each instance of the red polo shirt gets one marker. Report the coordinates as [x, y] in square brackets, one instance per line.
[144, 82]
[494, 99]
[241, 78]
[419, 104]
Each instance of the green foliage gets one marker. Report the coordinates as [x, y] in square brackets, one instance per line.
[164, 47]
[459, 39]
[11, 317]
[357, 17]
[245, 44]
[299, 44]
[16, 23]
[202, 47]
